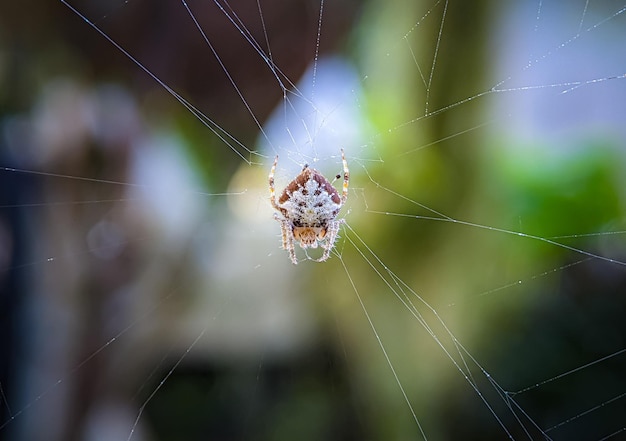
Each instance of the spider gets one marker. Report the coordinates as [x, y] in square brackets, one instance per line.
[307, 209]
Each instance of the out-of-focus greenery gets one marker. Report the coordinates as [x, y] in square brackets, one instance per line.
[521, 305]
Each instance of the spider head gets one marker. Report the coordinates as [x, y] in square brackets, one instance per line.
[308, 236]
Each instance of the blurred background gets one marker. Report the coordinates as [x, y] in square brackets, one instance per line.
[143, 292]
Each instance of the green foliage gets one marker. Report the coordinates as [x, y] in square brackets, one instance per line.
[553, 192]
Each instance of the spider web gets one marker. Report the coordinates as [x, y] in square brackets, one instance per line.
[476, 291]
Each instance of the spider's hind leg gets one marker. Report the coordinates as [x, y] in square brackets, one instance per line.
[331, 237]
[287, 236]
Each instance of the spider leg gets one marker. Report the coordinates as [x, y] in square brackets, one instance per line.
[289, 233]
[331, 237]
[287, 237]
[325, 256]
[346, 178]
[283, 230]
[271, 184]
[285, 226]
